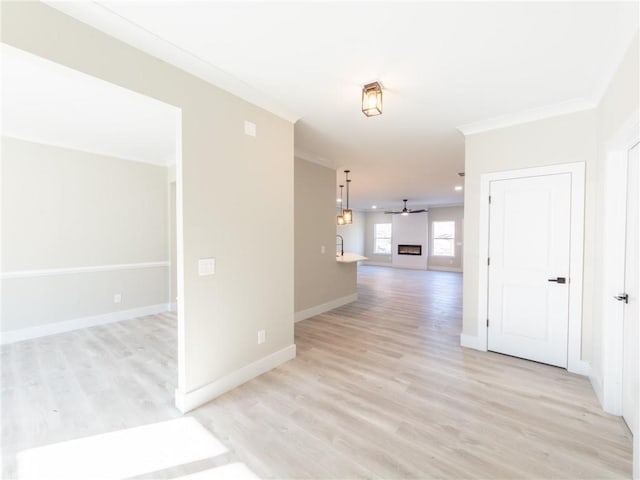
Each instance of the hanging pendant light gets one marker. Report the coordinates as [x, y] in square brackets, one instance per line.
[347, 214]
[372, 99]
[340, 216]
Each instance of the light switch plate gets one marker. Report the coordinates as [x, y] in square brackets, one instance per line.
[249, 128]
[206, 266]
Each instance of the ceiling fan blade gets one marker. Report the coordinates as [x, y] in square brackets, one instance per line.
[418, 211]
[392, 213]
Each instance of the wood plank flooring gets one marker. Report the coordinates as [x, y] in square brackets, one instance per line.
[380, 389]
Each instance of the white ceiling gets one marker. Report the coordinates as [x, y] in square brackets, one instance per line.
[45, 102]
[444, 65]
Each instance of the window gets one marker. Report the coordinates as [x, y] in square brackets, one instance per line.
[382, 238]
[444, 238]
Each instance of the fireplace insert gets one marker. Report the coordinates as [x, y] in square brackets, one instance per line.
[409, 249]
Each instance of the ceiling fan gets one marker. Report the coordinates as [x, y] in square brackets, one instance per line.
[407, 211]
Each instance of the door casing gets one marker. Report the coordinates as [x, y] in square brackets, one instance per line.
[575, 363]
[608, 386]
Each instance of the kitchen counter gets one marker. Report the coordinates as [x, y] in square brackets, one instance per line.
[350, 258]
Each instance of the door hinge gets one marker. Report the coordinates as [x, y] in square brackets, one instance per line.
[488, 260]
[489, 198]
[487, 322]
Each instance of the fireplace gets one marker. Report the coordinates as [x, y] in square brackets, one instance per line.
[409, 249]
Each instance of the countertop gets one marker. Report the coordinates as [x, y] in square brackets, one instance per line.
[350, 258]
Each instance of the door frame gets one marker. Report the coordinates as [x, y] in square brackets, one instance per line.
[575, 364]
[614, 218]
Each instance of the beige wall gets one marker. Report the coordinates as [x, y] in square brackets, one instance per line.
[563, 139]
[221, 168]
[64, 209]
[447, 214]
[319, 278]
[371, 219]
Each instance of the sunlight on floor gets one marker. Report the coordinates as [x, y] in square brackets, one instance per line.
[128, 453]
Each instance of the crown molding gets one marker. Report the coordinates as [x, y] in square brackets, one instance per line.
[526, 116]
[313, 158]
[101, 18]
[602, 83]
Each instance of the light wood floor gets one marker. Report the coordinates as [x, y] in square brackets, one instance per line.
[380, 389]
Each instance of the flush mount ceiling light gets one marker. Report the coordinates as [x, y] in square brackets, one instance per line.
[372, 99]
[347, 214]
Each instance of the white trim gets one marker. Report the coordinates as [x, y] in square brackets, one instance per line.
[614, 220]
[526, 116]
[67, 146]
[596, 384]
[474, 342]
[13, 336]
[574, 354]
[581, 367]
[187, 401]
[607, 72]
[445, 269]
[312, 158]
[182, 356]
[102, 18]
[324, 307]
[378, 264]
[48, 272]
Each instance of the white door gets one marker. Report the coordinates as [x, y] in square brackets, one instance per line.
[529, 253]
[630, 299]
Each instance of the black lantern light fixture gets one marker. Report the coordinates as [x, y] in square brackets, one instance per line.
[372, 99]
[340, 219]
[347, 214]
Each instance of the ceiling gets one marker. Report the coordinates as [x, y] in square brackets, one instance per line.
[48, 103]
[445, 66]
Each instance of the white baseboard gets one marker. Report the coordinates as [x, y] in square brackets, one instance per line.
[445, 269]
[580, 367]
[378, 264]
[410, 267]
[596, 384]
[187, 401]
[324, 307]
[13, 336]
[472, 341]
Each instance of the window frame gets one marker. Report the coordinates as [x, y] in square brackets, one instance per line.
[434, 238]
[376, 238]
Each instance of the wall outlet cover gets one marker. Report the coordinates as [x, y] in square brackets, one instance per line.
[206, 266]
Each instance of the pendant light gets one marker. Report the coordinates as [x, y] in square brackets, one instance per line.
[347, 214]
[340, 216]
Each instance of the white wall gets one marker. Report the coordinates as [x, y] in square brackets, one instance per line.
[410, 230]
[447, 214]
[221, 168]
[65, 209]
[321, 283]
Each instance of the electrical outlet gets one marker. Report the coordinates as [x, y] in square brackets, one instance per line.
[262, 336]
[322, 249]
[117, 298]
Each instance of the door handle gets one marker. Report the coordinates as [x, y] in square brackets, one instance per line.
[558, 280]
[623, 297]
